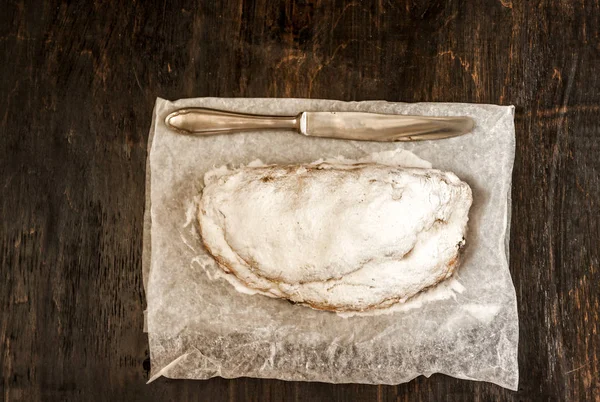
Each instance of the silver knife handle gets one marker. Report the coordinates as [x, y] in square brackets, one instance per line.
[210, 121]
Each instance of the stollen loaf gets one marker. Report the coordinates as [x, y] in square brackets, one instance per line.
[335, 236]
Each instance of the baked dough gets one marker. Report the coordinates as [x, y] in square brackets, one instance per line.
[334, 236]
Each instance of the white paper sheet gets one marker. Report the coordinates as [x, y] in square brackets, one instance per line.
[199, 326]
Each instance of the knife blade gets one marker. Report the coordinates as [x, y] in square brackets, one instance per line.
[361, 126]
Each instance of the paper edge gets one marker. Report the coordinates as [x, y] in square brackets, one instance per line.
[147, 229]
[164, 373]
[371, 101]
[508, 220]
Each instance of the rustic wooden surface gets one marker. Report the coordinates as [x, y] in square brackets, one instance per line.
[77, 87]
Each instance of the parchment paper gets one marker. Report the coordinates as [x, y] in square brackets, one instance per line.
[199, 326]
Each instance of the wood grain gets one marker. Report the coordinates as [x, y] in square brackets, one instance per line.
[77, 86]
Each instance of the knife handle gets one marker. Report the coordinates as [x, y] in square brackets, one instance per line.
[210, 121]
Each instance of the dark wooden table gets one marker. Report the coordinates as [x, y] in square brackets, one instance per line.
[77, 85]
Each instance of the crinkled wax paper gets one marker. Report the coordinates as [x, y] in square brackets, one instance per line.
[199, 326]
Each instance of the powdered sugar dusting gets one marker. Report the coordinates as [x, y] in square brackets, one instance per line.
[398, 158]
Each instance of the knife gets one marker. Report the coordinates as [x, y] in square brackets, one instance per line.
[360, 126]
